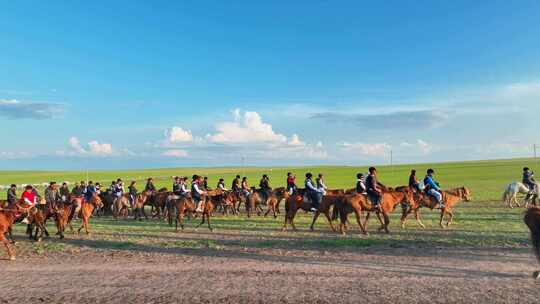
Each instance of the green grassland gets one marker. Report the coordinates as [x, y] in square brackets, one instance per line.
[482, 223]
[486, 179]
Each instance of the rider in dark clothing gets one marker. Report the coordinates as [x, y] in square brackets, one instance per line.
[529, 181]
[12, 195]
[414, 184]
[265, 187]
[150, 185]
[372, 187]
[236, 185]
[360, 184]
[204, 184]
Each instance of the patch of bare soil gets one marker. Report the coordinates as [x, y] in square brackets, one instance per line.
[237, 274]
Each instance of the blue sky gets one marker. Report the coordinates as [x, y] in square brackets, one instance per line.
[133, 84]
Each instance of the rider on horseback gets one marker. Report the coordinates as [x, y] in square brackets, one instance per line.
[132, 193]
[51, 195]
[372, 188]
[12, 195]
[414, 184]
[360, 184]
[221, 185]
[264, 184]
[236, 185]
[150, 185]
[529, 181]
[28, 201]
[314, 194]
[89, 191]
[320, 183]
[196, 192]
[291, 183]
[432, 188]
[245, 187]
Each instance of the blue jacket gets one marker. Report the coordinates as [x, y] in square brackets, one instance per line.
[430, 183]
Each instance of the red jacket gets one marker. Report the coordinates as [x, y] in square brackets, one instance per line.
[28, 197]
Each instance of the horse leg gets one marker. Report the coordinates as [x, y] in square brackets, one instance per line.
[380, 220]
[315, 216]
[418, 220]
[208, 220]
[442, 217]
[451, 217]
[327, 214]
[85, 220]
[404, 214]
[386, 222]
[358, 215]
[292, 219]
[367, 219]
[10, 251]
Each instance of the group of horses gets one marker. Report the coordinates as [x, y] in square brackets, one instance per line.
[336, 204]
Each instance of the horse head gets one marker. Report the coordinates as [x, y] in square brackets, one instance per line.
[96, 201]
[465, 194]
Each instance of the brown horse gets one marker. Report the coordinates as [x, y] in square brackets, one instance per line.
[275, 198]
[208, 209]
[224, 200]
[61, 218]
[182, 205]
[296, 202]
[158, 202]
[254, 202]
[532, 220]
[8, 216]
[138, 205]
[450, 198]
[121, 207]
[87, 209]
[358, 203]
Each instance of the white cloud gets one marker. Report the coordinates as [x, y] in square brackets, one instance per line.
[367, 149]
[295, 141]
[177, 134]
[420, 146]
[175, 153]
[246, 128]
[93, 148]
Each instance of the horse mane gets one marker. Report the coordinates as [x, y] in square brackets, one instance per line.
[164, 189]
[532, 220]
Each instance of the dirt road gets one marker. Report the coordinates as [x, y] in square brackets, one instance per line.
[250, 275]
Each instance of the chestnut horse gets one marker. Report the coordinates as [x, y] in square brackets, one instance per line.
[138, 205]
[275, 198]
[8, 216]
[358, 203]
[182, 205]
[87, 209]
[450, 198]
[296, 202]
[532, 220]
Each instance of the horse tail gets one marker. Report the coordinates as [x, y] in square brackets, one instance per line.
[532, 220]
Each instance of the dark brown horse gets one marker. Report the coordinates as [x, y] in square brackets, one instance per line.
[532, 220]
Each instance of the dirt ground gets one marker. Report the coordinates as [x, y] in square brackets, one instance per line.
[236, 274]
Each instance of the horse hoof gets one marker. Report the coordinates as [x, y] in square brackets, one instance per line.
[12, 258]
[536, 275]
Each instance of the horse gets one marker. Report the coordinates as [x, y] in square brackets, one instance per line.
[138, 205]
[61, 218]
[450, 199]
[158, 201]
[532, 220]
[358, 203]
[121, 207]
[8, 216]
[511, 191]
[275, 198]
[182, 205]
[208, 209]
[86, 211]
[223, 200]
[254, 202]
[296, 202]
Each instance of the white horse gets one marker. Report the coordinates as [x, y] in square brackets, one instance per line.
[511, 192]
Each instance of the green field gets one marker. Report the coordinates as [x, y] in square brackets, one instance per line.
[484, 222]
[485, 178]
